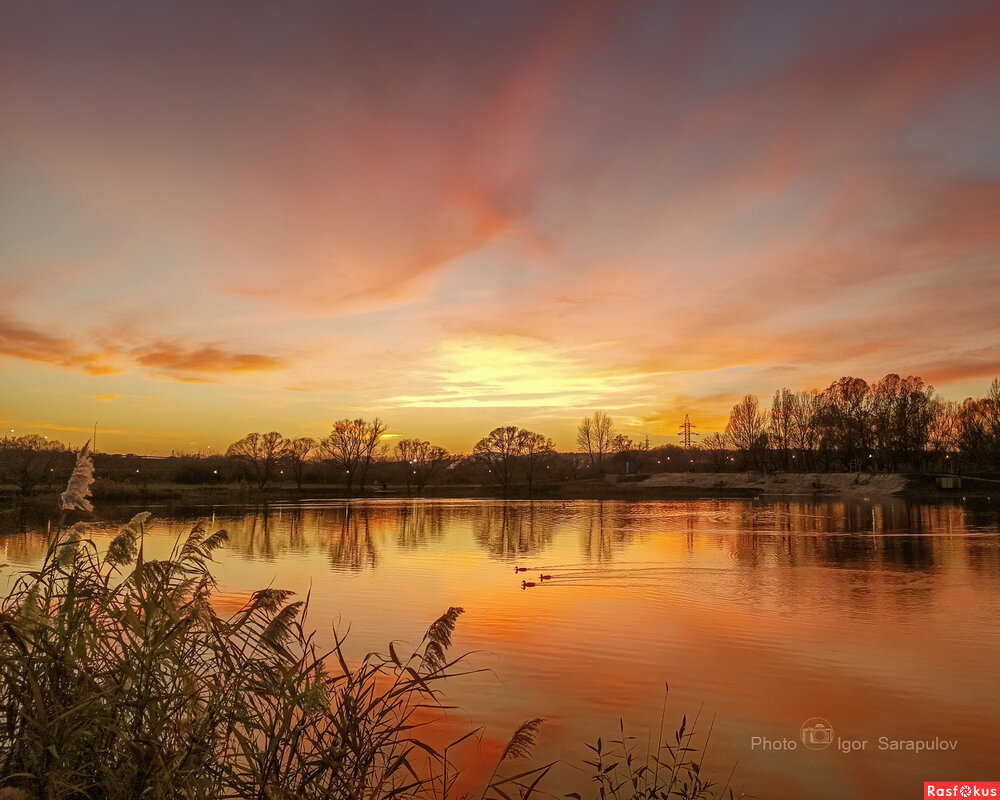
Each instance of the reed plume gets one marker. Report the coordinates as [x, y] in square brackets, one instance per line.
[78, 489]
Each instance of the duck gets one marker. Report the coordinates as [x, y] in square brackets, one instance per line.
[544, 577]
[527, 584]
[520, 569]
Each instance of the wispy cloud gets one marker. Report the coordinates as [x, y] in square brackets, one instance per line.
[197, 362]
[23, 342]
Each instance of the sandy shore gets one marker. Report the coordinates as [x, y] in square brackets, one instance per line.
[852, 483]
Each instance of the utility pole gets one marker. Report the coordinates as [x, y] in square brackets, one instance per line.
[686, 431]
[94, 448]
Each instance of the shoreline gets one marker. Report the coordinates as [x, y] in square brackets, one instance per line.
[661, 486]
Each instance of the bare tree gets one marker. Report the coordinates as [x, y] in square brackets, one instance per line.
[259, 452]
[594, 436]
[804, 431]
[780, 426]
[296, 453]
[498, 450]
[845, 421]
[717, 445]
[902, 413]
[630, 451]
[536, 453]
[351, 446]
[420, 460]
[747, 429]
[976, 428]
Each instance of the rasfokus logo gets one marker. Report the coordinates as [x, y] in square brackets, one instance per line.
[961, 789]
[816, 733]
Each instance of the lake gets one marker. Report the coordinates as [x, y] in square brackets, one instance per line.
[881, 619]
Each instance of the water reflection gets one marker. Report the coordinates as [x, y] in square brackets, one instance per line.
[888, 535]
[767, 613]
[509, 530]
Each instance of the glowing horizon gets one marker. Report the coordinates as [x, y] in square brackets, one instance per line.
[459, 216]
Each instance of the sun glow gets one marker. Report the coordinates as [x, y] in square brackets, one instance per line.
[512, 372]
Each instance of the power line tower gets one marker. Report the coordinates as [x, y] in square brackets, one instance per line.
[686, 431]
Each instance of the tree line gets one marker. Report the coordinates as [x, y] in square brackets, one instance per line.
[893, 424]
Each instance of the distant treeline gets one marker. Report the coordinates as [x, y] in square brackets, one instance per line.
[895, 424]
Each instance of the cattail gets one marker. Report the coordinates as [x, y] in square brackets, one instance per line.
[78, 489]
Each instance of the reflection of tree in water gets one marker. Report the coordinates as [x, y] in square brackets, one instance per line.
[888, 550]
[513, 529]
[22, 548]
[984, 556]
[272, 532]
[418, 523]
[25, 517]
[267, 533]
[352, 543]
[608, 526]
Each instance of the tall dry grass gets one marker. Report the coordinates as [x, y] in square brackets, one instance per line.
[119, 680]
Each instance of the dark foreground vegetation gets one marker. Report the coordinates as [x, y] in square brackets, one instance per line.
[119, 680]
[893, 425]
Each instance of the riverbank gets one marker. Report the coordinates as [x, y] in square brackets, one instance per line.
[785, 483]
[661, 486]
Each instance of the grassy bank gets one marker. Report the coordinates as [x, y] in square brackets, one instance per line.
[662, 486]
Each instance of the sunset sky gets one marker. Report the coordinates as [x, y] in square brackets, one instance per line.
[223, 217]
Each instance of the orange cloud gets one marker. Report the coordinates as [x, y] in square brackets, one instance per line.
[209, 359]
[961, 370]
[18, 341]
[171, 360]
[104, 398]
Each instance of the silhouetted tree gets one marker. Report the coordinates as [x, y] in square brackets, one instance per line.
[845, 422]
[974, 428]
[420, 460]
[536, 453]
[717, 446]
[499, 450]
[902, 413]
[780, 427]
[259, 452]
[747, 429]
[351, 446]
[804, 432]
[630, 451]
[296, 453]
[28, 461]
[594, 437]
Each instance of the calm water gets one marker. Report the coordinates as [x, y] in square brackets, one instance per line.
[881, 618]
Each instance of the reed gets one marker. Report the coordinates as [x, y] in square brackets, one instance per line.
[119, 680]
[624, 770]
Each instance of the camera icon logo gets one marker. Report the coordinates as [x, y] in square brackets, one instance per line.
[816, 733]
